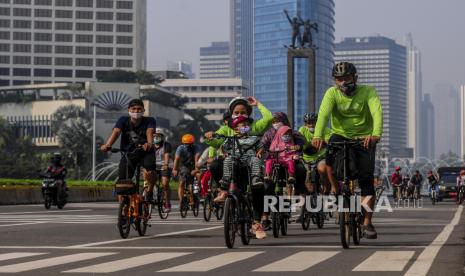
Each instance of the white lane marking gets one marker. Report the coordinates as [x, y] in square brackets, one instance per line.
[423, 263]
[16, 255]
[386, 261]
[146, 237]
[26, 223]
[127, 263]
[47, 212]
[298, 262]
[212, 262]
[27, 266]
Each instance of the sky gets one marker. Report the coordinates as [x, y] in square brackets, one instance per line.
[178, 28]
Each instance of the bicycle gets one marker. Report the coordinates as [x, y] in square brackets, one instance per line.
[160, 195]
[434, 196]
[209, 206]
[306, 216]
[350, 222]
[238, 214]
[184, 205]
[133, 209]
[460, 194]
[378, 192]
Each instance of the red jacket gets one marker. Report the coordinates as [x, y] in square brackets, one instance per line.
[396, 179]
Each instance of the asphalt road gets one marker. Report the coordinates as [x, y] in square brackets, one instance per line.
[83, 239]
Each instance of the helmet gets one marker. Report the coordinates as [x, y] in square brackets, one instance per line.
[56, 157]
[240, 100]
[188, 139]
[462, 172]
[397, 168]
[310, 117]
[159, 131]
[344, 68]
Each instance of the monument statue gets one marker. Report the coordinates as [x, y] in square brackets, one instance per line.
[295, 24]
[307, 35]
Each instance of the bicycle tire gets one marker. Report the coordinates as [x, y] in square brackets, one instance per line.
[275, 220]
[320, 219]
[357, 229]
[161, 204]
[207, 208]
[283, 223]
[305, 218]
[230, 227]
[344, 226]
[196, 206]
[246, 224]
[184, 207]
[219, 212]
[143, 219]
[124, 221]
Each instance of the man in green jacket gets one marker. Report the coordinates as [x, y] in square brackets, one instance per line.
[356, 113]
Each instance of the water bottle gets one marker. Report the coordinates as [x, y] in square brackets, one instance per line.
[196, 187]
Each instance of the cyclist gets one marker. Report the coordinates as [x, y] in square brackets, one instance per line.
[460, 183]
[215, 159]
[185, 160]
[58, 172]
[163, 158]
[241, 106]
[137, 132]
[396, 181]
[416, 181]
[312, 154]
[433, 182]
[356, 113]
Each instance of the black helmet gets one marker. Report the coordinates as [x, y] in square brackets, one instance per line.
[240, 100]
[310, 117]
[344, 68]
[56, 158]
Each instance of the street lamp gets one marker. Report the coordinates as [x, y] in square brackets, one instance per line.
[94, 136]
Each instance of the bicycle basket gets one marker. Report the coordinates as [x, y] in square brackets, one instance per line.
[125, 187]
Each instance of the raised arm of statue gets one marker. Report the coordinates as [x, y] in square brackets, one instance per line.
[287, 15]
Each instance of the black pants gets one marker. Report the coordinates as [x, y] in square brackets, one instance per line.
[216, 168]
[364, 161]
[128, 166]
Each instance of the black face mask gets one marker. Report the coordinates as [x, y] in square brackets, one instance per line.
[348, 88]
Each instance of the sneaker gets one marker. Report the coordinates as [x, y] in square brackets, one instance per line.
[222, 195]
[369, 232]
[257, 229]
[266, 224]
[167, 207]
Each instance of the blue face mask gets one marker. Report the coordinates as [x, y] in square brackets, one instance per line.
[286, 138]
[244, 130]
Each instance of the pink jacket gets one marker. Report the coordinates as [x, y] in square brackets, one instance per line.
[278, 144]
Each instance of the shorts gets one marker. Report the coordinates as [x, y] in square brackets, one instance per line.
[185, 173]
[165, 173]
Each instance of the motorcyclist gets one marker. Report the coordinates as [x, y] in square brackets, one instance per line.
[57, 171]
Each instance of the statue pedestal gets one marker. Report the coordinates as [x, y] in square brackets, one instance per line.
[292, 54]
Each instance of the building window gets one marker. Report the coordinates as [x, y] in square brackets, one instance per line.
[64, 37]
[100, 74]
[4, 11]
[43, 25]
[84, 38]
[21, 60]
[21, 82]
[104, 39]
[61, 61]
[24, 72]
[124, 5]
[22, 48]
[4, 71]
[42, 60]
[124, 28]
[104, 15]
[4, 23]
[42, 13]
[43, 37]
[104, 27]
[22, 2]
[193, 100]
[4, 1]
[84, 62]
[124, 63]
[5, 35]
[38, 48]
[42, 72]
[124, 51]
[21, 12]
[43, 2]
[5, 59]
[105, 51]
[84, 15]
[124, 39]
[64, 3]
[84, 27]
[104, 62]
[85, 3]
[63, 26]
[204, 100]
[124, 16]
[212, 100]
[22, 24]
[63, 14]
[84, 50]
[60, 73]
[63, 49]
[84, 74]
[21, 36]
[4, 47]
[105, 4]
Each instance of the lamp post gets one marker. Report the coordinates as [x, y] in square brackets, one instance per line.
[94, 146]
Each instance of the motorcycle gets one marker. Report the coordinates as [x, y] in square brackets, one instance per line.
[51, 194]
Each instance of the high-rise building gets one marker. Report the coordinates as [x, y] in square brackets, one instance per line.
[462, 121]
[382, 63]
[241, 32]
[272, 32]
[446, 100]
[215, 62]
[44, 41]
[414, 95]
[427, 128]
[181, 66]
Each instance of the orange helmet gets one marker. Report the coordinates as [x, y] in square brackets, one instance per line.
[188, 139]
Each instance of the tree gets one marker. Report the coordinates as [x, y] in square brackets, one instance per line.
[118, 75]
[145, 77]
[197, 124]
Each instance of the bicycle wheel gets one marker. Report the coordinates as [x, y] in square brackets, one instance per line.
[246, 224]
[184, 207]
[207, 208]
[219, 211]
[305, 218]
[275, 223]
[47, 201]
[124, 221]
[320, 219]
[357, 229]
[230, 227]
[196, 206]
[344, 225]
[143, 220]
[161, 195]
[283, 221]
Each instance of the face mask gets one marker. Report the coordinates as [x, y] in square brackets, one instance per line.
[277, 125]
[136, 115]
[244, 130]
[157, 140]
[311, 129]
[286, 138]
[347, 88]
[243, 115]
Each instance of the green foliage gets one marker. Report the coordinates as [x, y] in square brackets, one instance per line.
[197, 124]
[117, 75]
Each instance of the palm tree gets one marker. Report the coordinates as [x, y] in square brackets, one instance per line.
[197, 124]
